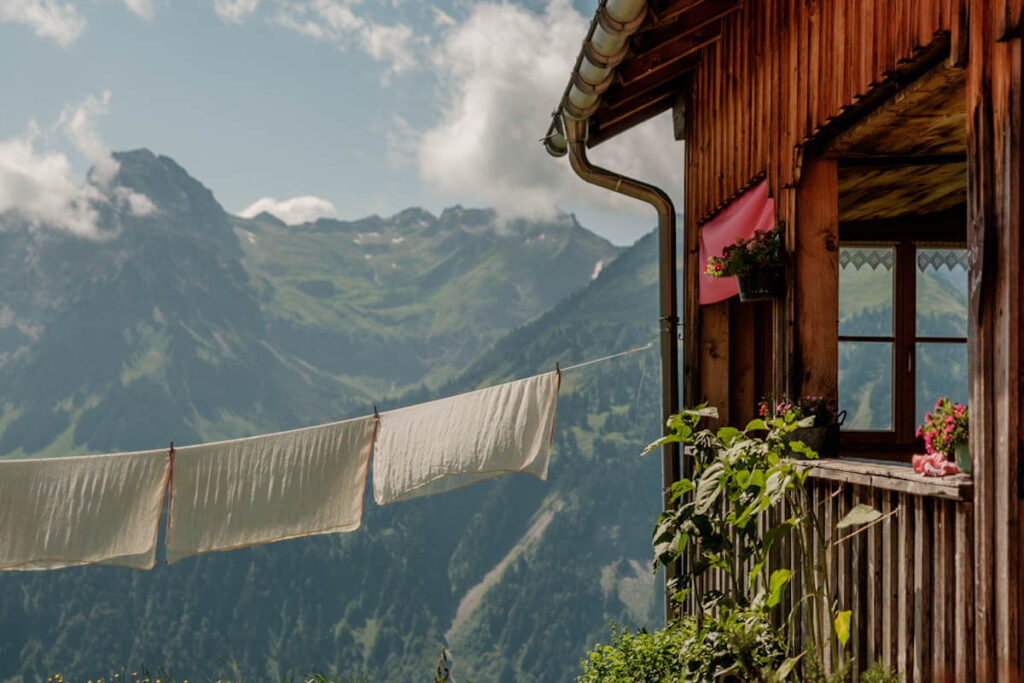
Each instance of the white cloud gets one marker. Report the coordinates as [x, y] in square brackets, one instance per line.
[502, 70]
[38, 184]
[145, 9]
[292, 211]
[78, 123]
[235, 11]
[336, 21]
[47, 18]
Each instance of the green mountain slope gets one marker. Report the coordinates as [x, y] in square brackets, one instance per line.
[412, 296]
[517, 576]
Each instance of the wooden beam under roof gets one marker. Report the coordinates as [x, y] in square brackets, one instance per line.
[660, 55]
[649, 63]
[628, 94]
[692, 20]
[927, 117]
[667, 9]
[623, 119]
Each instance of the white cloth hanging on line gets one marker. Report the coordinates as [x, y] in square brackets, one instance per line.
[442, 445]
[268, 488]
[62, 512]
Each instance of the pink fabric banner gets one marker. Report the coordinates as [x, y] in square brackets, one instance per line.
[751, 211]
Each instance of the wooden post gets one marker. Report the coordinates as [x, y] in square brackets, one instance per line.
[994, 337]
[816, 261]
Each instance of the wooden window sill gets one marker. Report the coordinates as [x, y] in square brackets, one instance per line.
[890, 477]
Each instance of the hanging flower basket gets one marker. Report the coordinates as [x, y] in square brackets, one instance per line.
[756, 263]
[761, 285]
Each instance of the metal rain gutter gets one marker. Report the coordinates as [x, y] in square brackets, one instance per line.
[603, 50]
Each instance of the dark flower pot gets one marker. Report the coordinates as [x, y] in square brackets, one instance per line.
[822, 440]
[761, 285]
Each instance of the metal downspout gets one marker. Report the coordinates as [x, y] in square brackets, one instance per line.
[576, 133]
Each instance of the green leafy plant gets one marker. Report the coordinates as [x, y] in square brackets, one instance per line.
[880, 673]
[640, 658]
[763, 251]
[720, 525]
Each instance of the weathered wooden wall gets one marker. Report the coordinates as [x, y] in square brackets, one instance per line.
[786, 74]
[994, 330]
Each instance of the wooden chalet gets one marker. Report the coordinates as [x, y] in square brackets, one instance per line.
[893, 125]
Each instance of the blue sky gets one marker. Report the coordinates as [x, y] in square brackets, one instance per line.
[353, 106]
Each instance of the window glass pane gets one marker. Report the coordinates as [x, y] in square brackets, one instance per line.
[865, 385]
[941, 292]
[941, 371]
[865, 291]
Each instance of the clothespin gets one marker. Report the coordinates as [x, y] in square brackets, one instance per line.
[558, 374]
[169, 489]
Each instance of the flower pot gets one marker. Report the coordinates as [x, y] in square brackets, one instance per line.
[822, 440]
[760, 285]
[963, 458]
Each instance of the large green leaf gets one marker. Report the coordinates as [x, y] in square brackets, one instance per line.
[727, 435]
[842, 625]
[787, 667]
[778, 581]
[708, 487]
[860, 514]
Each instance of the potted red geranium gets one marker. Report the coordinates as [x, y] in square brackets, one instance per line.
[756, 263]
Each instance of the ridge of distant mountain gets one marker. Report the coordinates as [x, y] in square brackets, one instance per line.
[426, 293]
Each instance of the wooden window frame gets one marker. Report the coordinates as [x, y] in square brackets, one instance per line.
[905, 234]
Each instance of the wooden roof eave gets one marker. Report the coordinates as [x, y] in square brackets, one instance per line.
[666, 47]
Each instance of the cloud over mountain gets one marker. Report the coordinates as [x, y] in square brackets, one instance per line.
[502, 69]
[294, 211]
[38, 184]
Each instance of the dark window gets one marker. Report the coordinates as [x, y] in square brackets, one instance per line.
[902, 334]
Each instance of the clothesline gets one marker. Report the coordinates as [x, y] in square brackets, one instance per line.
[620, 354]
[59, 512]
